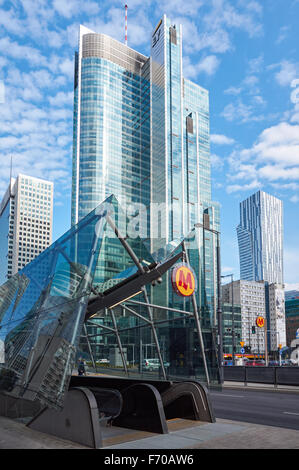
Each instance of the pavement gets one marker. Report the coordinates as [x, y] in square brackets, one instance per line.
[255, 416]
[184, 434]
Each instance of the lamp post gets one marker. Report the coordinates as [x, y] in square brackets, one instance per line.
[233, 317]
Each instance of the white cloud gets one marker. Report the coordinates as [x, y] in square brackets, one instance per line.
[276, 172]
[283, 32]
[287, 73]
[244, 187]
[62, 99]
[216, 161]
[220, 139]
[68, 9]
[241, 112]
[291, 263]
[207, 65]
[16, 51]
[294, 286]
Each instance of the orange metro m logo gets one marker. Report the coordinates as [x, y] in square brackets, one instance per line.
[260, 321]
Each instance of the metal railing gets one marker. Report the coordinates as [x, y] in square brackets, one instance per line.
[259, 374]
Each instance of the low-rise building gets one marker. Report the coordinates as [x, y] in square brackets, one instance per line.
[232, 327]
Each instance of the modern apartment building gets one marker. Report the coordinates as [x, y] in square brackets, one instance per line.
[141, 132]
[26, 213]
[260, 238]
[250, 295]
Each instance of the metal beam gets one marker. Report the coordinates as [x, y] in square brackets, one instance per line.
[198, 326]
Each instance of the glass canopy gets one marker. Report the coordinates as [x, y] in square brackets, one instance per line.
[45, 326]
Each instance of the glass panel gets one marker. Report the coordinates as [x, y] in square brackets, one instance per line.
[42, 308]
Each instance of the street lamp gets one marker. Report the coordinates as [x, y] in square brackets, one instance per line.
[233, 317]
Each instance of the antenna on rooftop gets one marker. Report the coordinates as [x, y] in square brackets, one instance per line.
[126, 25]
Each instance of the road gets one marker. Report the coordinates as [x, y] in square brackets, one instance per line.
[260, 407]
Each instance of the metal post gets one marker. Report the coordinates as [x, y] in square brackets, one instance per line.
[266, 341]
[197, 322]
[89, 346]
[119, 342]
[154, 332]
[142, 270]
[219, 315]
[233, 320]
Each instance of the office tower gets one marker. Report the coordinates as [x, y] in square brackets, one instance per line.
[26, 213]
[250, 295]
[141, 132]
[111, 149]
[180, 153]
[260, 238]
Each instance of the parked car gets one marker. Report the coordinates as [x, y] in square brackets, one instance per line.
[153, 364]
[274, 363]
[257, 362]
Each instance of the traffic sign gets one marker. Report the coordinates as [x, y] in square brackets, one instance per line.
[297, 333]
[242, 350]
[260, 321]
[242, 342]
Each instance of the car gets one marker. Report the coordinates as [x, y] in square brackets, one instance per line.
[274, 363]
[153, 364]
[255, 362]
[103, 361]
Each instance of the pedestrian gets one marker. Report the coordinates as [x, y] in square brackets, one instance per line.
[81, 367]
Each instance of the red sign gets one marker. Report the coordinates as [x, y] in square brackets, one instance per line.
[183, 280]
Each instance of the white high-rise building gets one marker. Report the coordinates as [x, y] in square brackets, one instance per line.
[260, 238]
[26, 213]
[250, 295]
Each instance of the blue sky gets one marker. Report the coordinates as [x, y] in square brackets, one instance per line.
[245, 52]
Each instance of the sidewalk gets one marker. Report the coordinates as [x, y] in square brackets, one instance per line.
[223, 434]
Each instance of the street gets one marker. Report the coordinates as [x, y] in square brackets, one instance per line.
[260, 407]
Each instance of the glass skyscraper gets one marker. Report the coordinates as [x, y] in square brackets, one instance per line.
[260, 238]
[141, 132]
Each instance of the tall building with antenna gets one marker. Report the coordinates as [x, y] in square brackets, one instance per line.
[141, 132]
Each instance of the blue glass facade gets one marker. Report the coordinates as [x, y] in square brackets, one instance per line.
[111, 131]
[141, 132]
[180, 156]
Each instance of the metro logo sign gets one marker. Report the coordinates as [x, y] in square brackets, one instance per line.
[183, 280]
[260, 321]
